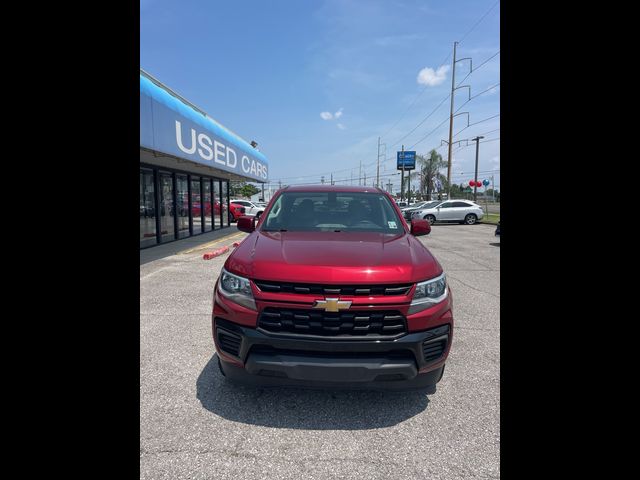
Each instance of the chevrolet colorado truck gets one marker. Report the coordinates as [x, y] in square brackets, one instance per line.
[331, 288]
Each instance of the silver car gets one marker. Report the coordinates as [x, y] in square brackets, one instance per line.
[251, 208]
[462, 211]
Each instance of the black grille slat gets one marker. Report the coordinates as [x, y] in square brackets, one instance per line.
[342, 324]
[229, 342]
[433, 350]
[310, 288]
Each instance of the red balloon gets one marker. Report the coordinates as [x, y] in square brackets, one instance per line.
[472, 183]
[479, 183]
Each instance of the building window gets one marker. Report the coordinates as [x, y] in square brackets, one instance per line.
[147, 209]
[167, 208]
[196, 210]
[182, 206]
[206, 184]
[225, 201]
[217, 204]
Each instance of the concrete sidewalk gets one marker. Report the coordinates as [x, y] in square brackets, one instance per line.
[203, 242]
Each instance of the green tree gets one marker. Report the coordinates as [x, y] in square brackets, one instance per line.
[249, 190]
[243, 189]
[429, 172]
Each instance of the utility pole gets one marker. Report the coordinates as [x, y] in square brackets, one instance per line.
[378, 170]
[475, 187]
[402, 177]
[279, 184]
[365, 179]
[453, 86]
[351, 181]
[332, 178]
[263, 191]
[360, 174]
[389, 185]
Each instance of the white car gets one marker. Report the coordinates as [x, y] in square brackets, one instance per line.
[250, 208]
[462, 211]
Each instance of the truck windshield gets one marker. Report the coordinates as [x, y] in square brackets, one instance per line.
[333, 211]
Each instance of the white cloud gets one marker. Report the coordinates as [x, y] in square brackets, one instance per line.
[427, 76]
[338, 114]
[496, 160]
[326, 115]
[341, 126]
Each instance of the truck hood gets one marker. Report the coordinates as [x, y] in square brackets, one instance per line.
[333, 257]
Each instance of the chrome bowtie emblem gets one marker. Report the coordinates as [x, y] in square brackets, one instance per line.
[332, 304]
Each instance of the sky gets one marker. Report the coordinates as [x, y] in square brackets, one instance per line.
[316, 82]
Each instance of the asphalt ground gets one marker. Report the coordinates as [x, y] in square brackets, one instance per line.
[194, 425]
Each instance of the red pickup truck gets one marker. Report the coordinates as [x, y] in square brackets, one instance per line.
[332, 288]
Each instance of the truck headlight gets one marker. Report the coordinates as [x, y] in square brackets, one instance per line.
[429, 293]
[237, 289]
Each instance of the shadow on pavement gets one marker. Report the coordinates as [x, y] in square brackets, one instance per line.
[172, 248]
[497, 244]
[288, 407]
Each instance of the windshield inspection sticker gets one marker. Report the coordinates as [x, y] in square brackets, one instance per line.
[392, 225]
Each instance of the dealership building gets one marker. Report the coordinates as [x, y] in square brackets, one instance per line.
[187, 160]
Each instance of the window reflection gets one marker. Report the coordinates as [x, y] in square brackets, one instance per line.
[147, 209]
[196, 210]
[167, 226]
[182, 206]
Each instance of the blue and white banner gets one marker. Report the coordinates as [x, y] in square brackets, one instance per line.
[169, 125]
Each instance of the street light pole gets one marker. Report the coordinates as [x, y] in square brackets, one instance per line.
[402, 177]
[475, 186]
[378, 169]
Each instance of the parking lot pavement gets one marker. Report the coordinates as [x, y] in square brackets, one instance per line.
[194, 425]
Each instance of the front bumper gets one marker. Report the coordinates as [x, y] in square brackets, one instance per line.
[414, 360]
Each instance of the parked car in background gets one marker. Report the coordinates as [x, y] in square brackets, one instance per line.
[235, 212]
[408, 211]
[251, 208]
[462, 211]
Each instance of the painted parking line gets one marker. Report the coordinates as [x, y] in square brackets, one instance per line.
[211, 244]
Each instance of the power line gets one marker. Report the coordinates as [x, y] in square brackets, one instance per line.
[478, 67]
[478, 22]
[423, 120]
[441, 64]
[477, 95]
[427, 135]
[414, 100]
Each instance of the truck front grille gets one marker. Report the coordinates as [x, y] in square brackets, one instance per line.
[342, 324]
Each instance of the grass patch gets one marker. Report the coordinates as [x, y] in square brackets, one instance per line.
[493, 218]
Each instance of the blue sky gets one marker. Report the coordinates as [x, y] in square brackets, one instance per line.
[315, 82]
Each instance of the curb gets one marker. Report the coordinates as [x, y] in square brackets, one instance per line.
[215, 253]
[219, 251]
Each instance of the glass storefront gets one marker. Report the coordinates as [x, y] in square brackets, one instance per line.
[206, 195]
[196, 208]
[182, 205]
[167, 213]
[225, 201]
[176, 204]
[147, 209]
[217, 205]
